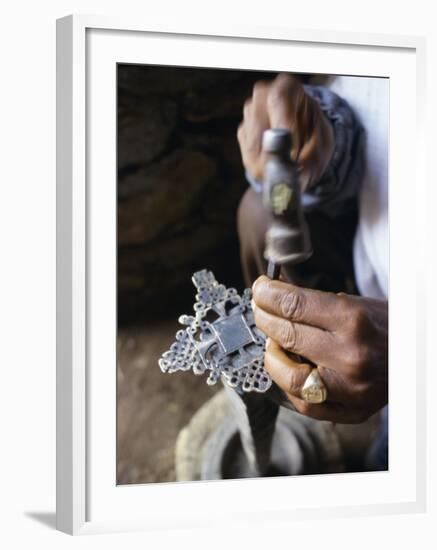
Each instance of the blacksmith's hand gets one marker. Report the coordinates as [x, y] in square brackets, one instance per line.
[345, 336]
[283, 103]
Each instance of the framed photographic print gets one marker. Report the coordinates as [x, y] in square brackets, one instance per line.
[190, 164]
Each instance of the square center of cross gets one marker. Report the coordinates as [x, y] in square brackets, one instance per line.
[233, 333]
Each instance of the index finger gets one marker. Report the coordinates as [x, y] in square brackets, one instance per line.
[301, 305]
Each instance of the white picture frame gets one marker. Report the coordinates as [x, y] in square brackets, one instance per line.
[88, 499]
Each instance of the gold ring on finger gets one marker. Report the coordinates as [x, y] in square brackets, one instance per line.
[314, 390]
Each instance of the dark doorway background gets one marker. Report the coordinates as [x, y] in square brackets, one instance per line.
[180, 178]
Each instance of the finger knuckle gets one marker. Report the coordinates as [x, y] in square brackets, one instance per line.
[288, 336]
[284, 85]
[358, 320]
[294, 384]
[291, 305]
[285, 82]
[358, 357]
[259, 88]
[343, 303]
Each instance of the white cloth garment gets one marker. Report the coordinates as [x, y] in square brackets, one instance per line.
[369, 99]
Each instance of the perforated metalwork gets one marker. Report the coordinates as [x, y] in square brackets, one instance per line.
[221, 338]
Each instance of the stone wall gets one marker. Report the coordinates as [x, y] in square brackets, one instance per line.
[180, 179]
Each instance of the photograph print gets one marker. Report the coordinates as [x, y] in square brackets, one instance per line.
[252, 274]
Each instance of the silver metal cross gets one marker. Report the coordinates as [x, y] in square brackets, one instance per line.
[221, 338]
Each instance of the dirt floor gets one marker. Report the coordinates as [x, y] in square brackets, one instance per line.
[152, 407]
